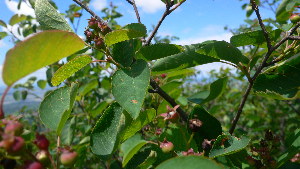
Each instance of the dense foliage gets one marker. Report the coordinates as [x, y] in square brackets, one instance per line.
[124, 97]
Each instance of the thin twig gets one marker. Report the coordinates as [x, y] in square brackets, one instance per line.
[58, 151]
[292, 106]
[2, 114]
[240, 109]
[264, 64]
[166, 13]
[51, 159]
[132, 2]
[169, 99]
[266, 34]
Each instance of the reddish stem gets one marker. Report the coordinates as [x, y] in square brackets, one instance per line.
[2, 102]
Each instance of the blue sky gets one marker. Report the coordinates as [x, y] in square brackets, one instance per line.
[195, 21]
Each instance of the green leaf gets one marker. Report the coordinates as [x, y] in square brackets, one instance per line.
[39, 50]
[16, 19]
[158, 51]
[106, 135]
[42, 84]
[283, 12]
[294, 147]
[185, 72]
[224, 51]
[189, 162]
[49, 18]
[87, 87]
[68, 131]
[280, 81]
[55, 109]
[17, 95]
[216, 89]
[186, 59]
[179, 136]
[24, 94]
[99, 109]
[2, 23]
[123, 53]
[129, 87]
[136, 125]
[133, 30]
[3, 35]
[130, 147]
[70, 68]
[253, 38]
[211, 127]
[227, 144]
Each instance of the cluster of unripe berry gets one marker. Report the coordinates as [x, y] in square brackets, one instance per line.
[194, 125]
[95, 32]
[12, 144]
[262, 154]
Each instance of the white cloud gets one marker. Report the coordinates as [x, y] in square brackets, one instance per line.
[199, 39]
[98, 5]
[210, 32]
[150, 6]
[25, 9]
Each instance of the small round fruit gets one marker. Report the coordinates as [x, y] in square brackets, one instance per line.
[166, 146]
[295, 18]
[42, 157]
[17, 145]
[34, 165]
[14, 127]
[41, 142]
[68, 158]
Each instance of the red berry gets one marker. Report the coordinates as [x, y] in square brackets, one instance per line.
[33, 165]
[166, 146]
[163, 75]
[14, 127]
[41, 142]
[7, 141]
[158, 131]
[295, 18]
[17, 145]
[93, 23]
[68, 158]
[191, 152]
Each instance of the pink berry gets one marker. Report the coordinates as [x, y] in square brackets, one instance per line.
[33, 165]
[41, 142]
[166, 146]
[68, 158]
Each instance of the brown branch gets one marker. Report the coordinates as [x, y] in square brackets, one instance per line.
[2, 114]
[266, 34]
[129, 1]
[132, 2]
[166, 13]
[264, 63]
[240, 109]
[168, 98]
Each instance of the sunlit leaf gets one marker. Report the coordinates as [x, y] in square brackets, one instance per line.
[39, 50]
